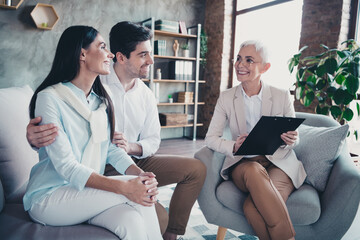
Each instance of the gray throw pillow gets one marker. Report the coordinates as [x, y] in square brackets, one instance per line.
[318, 149]
[16, 155]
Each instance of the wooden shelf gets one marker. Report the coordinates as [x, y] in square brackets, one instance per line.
[44, 16]
[171, 34]
[179, 104]
[183, 125]
[15, 4]
[173, 81]
[176, 58]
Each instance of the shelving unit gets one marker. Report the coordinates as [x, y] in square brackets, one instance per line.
[191, 85]
[15, 4]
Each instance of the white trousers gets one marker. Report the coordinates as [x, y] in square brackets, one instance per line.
[69, 206]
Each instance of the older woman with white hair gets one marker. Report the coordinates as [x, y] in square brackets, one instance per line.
[269, 179]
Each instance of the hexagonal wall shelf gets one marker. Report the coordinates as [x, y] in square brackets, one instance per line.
[12, 4]
[44, 16]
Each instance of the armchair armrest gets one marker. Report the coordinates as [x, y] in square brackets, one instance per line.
[207, 197]
[340, 200]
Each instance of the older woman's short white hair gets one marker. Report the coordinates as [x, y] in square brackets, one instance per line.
[259, 47]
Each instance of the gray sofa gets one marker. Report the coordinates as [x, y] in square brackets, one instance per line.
[16, 161]
[323, 208]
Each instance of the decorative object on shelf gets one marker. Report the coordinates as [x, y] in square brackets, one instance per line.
[331, 78]
[10, 4]
[44, 16]
[168, 119]
[185, 97]
[171, 100]
[182, 26]
[158, 74]
[186, 50]
[176, 47]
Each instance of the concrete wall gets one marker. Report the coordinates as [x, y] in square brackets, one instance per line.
[26, 53]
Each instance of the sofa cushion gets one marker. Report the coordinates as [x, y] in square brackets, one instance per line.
[17, 157]
[303, 204]
[319, 147]
[16, 224]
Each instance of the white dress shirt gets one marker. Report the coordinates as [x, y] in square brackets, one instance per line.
[252, 111]
[136, 113]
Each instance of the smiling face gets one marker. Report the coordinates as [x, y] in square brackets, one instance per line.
[97, 57]
[249, 65]
[138, 64]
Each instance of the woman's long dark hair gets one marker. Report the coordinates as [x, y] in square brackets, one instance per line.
[66, 66]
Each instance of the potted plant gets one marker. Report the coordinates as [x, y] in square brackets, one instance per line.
[186, 49]
[331, 79]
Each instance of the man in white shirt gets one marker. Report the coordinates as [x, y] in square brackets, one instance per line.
[137, 124]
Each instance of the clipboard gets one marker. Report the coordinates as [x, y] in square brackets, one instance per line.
[264, 138]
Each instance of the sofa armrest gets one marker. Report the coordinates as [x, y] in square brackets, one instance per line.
[207, 197]
[2, 198]
[340, 200]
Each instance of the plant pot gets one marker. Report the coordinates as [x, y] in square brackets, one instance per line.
[186, 53]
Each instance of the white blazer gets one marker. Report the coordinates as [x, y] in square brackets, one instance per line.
[230, 111]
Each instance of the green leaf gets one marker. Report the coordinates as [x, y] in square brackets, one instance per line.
[312, 79]
[324, 46]
[358, 108]
[335, 111]
[341, 54]
[340, 78]
[292, 64]
[299, 92]
[330, 77]
[348, 114]
[309, 97]
[311, 85]
[302, 49]
[321, 83]
[331, 65]
[348, 97]
[356, 134]
[354, 69]
[330, 91]
[339, 96]
[352, 84]
[321, 70]
[323, 111]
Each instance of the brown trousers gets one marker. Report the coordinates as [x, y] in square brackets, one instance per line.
[269, 188]
[189, 175]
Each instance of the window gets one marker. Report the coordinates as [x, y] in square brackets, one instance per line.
[277, 24]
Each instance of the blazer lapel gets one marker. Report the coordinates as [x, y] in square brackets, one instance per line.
[266, 105]
[239, 110]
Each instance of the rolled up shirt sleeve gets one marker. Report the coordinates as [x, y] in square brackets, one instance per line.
[118, 158]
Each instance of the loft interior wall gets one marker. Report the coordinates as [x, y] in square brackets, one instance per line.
[26, 53]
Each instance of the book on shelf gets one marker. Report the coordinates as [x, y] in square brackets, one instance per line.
[160, 47]
[182, 27]
[180, 70]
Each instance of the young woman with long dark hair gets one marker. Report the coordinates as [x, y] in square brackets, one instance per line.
[67, 187]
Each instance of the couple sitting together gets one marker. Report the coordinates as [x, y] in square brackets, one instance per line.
[96, 126]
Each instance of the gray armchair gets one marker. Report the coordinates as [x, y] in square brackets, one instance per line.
[315, 215]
